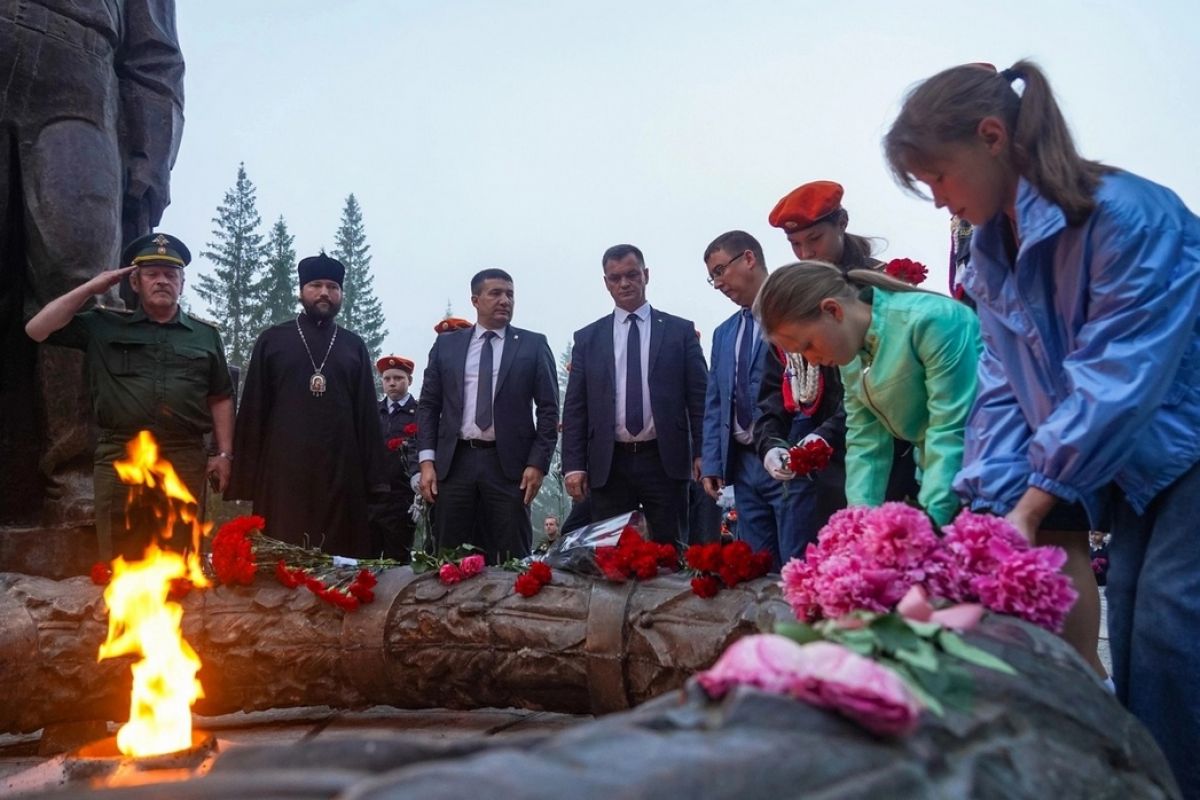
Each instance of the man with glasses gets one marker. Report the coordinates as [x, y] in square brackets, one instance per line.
[770, 517]
[629, 439]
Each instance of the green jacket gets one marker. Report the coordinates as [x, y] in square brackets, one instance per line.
[914, 380]
[146, 375]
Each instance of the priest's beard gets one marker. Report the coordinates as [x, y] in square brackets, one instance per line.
[321, 310]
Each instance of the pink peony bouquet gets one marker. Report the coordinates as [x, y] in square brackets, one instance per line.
[869, 558]
[820, 673]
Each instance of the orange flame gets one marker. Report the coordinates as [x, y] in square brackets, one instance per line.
[143, 621]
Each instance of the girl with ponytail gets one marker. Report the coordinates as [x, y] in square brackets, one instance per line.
[907, 358]
[1087, 282]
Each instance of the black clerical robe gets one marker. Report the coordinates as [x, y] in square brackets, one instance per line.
[309, 463]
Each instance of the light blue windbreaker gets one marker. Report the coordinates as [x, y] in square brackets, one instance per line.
[1090, 372]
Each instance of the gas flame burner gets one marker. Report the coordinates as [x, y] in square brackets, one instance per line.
[102, 761]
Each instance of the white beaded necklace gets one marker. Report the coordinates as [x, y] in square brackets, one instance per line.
[805, 378]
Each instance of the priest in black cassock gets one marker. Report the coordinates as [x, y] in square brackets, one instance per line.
[307, 445]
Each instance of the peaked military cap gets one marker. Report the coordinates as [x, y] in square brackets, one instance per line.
[158, 249]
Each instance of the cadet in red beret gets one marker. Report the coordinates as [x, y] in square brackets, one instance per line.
[392, 527]
[815, 223]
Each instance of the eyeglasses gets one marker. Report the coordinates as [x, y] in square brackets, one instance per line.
[719, 270]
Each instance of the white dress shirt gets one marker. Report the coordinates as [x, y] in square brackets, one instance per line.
[469, 429]
[621, 356]
[396, 405]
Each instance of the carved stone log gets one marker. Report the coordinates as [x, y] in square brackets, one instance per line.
[580, 646]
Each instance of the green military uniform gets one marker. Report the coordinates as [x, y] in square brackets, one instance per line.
[144, 375]
[914, 380]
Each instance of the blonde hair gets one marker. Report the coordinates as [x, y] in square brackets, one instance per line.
[793, 293]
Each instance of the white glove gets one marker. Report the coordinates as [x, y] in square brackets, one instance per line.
[414, 483]
[775, 463]
[725, 497]
[814, 437]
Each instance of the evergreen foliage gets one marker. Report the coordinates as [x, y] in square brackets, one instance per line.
[361, 310]
[232, 288]
[279, 288]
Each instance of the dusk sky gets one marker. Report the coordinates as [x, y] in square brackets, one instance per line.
[531, 136]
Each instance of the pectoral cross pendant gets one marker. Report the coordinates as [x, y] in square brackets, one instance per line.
[316, 384]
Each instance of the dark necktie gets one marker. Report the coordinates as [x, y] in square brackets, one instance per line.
[393, 407]
[633, 378]
[483, 398]
[741, 393]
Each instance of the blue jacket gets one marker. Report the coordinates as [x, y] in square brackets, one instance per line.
[1091, 366]
[718, 400]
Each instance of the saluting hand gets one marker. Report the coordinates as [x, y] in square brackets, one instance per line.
[101, 283]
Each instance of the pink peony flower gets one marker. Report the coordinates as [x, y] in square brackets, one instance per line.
[450, 574]
[1030, 585]
[822, 674]
[471, 565]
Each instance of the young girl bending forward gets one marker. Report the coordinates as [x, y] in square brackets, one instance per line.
[908, 361]
[1087, 281]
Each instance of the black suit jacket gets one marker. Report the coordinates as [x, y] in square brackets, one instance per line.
[527, 380]
[401, 461]
[678, 377]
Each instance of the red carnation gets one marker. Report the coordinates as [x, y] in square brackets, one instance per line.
[450, 574]
[290, 579]
[907, 270]
[540, 571]
[410, 429]
[704, 557]
[809, 457]
[527, 585]
[366, 578]
[395, 443]
[705, 586]
[179, 588]
[101, 573]
[760, 564]
[612, 563]
[644, 566]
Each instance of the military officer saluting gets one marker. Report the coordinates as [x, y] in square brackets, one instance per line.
[156, 368]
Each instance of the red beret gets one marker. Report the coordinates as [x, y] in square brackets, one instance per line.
[806, 205]
[451, 324]
[394, 362]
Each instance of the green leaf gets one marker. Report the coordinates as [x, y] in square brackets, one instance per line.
[862, 640]
[914, 686]
[799, 632]
[954, 645]
[894, 634]
[923, 656]
[926, 630]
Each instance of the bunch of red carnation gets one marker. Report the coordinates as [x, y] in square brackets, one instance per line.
[360, 591]
[809, 456]
[233, 552]
[531, 581]
[635, 557]
[730, 563]
[395, 443]
[907, 270]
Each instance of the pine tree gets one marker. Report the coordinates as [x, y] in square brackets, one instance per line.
[278, 288]
[361, 310]
[231, 290]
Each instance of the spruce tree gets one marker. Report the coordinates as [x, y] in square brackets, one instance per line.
[278, 289]
[361, 310]
[231, 290]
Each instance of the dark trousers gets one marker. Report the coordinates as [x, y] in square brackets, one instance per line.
[776, 516]
[392, 527]
[638, 479]
[1153, 617]
[478, 505]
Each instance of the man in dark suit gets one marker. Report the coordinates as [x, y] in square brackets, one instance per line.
[392, 526]
[482, 455]
[771, 517]
[627, 439]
